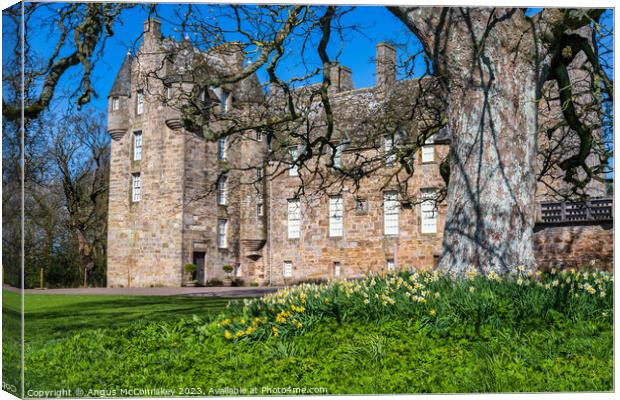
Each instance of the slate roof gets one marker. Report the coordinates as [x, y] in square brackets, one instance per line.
[122, 82]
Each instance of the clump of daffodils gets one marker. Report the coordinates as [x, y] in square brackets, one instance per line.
[420, 293]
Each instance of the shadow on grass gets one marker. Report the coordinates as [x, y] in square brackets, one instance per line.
[64, 315]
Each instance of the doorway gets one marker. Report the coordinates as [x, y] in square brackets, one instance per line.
[199, 260]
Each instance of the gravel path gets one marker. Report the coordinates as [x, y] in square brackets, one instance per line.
[161, 291]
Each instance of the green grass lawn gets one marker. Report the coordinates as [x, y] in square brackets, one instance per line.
[112, 343]
[50, 318]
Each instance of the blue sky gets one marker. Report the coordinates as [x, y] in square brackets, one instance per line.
[358, 54]
[376, 22]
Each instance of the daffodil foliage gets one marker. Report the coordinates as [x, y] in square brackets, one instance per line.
[435, 299]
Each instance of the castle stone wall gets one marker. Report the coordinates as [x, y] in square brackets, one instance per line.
[363, 248]
[574, 246]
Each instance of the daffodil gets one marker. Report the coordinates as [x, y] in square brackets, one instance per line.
[250, 330]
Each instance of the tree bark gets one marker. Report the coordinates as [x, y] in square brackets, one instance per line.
[488, 65]
[86, 259]
[491, 191]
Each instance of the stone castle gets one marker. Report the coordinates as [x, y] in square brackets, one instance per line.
[162, 214]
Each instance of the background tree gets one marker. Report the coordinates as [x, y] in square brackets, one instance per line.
[77, 32]
[65, 202]
[81, 153]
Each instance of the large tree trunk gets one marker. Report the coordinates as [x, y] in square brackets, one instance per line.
[486, 60]
[491, 191]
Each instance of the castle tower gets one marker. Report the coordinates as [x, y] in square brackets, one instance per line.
[175, 197]
[146, 175]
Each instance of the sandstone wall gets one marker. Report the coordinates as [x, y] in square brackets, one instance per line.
[363, 248]
[566, 246]
[145, 237]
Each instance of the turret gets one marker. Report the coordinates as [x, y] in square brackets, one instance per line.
[179, 83]
[118, 101]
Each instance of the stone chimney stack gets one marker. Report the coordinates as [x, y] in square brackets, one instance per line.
[341, 78]
[152, 34]
[386, 66]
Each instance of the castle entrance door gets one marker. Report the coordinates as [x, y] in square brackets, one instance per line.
[199, 260]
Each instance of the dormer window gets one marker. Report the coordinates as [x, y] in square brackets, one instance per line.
[224, 99]
[140, 103]
[115, 103]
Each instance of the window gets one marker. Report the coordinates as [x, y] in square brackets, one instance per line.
[168, 93]
[294, 218]
[338, 156]
[221, 190]
[337, 269]
[428, 151]
[222, 230]
[238, 271]
[269, 142]
[221, 149]
[259, 175]
[259, 136]
[115, 103]
[287, 269]
[335, 216]
[224, 97]
[390, 213]
[293, 153]
[137, 145]
[140, 103]
[388, 147]
[259, 209]
[391, 266]
[136, 186]
[428, 211]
